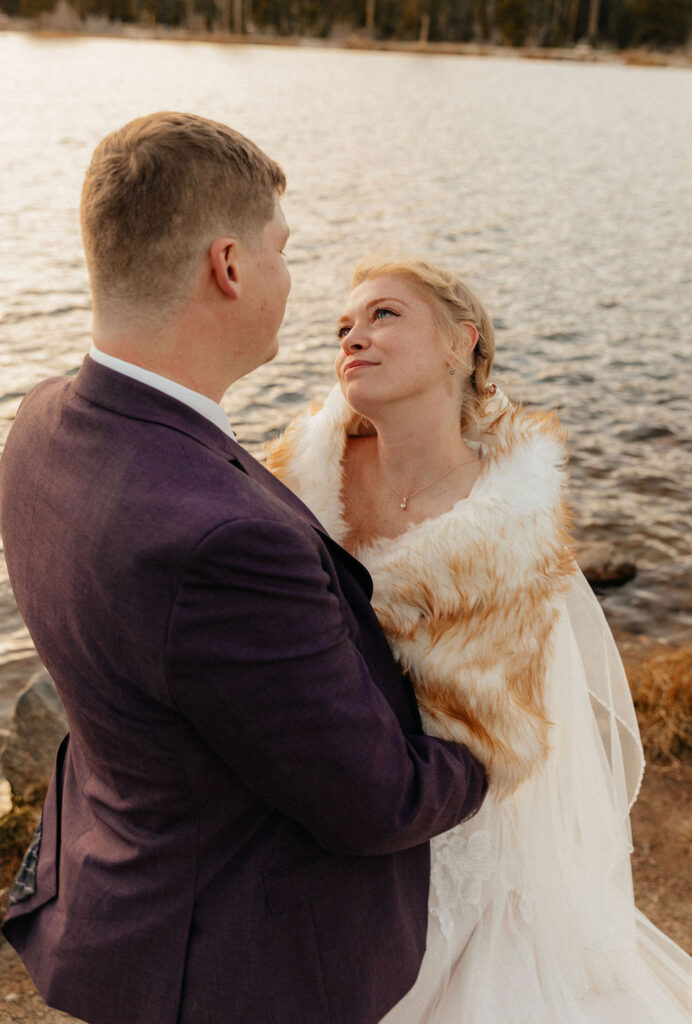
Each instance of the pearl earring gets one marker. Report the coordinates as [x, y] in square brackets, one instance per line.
[452, 371]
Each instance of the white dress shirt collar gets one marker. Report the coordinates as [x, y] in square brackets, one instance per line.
[206, 407]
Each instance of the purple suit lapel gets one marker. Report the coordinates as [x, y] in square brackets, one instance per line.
[111, 390]
[265, 479]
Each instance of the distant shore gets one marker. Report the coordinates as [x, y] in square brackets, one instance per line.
[49, 25]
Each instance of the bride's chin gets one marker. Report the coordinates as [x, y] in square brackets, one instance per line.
[363, 404]
[359, 389]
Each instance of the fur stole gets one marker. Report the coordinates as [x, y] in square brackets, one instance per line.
[467, 600]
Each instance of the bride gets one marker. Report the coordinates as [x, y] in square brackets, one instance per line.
[453, 498]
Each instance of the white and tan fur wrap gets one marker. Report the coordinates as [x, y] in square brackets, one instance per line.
[467, 600]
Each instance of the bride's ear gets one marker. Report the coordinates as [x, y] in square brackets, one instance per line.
[464, 341]
[468, 337]
[223, 255]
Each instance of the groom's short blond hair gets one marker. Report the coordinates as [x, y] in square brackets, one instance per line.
[157, 192]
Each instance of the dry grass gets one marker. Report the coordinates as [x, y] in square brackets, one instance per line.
[662, 690]
[16, 829]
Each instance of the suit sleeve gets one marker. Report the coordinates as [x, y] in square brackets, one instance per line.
[259, 660]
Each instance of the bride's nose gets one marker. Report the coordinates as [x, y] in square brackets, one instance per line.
[355, 341]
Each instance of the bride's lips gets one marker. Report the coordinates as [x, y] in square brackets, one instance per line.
[356, 363]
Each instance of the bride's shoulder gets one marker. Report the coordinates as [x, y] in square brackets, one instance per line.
[504, 424]
[318, 431]
[308, 458]
[524, 452]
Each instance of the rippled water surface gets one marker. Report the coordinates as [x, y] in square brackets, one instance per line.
[561, 192]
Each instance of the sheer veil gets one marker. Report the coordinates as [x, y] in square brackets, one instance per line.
[609, 691]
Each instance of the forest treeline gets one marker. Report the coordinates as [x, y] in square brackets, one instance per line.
[551, 23]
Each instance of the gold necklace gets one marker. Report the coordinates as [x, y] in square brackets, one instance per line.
[405, 498]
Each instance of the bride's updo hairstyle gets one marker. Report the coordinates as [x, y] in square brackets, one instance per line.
[452, 303]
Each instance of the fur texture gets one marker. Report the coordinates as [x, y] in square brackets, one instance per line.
[468, 600]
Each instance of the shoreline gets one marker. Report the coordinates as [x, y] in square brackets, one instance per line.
[100, 28]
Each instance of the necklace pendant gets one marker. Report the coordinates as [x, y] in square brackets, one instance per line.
[403, 504]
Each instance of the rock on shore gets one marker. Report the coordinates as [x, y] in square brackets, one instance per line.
[36, 730]
[603, 565]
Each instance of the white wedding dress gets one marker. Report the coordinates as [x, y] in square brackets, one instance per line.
[531, 916]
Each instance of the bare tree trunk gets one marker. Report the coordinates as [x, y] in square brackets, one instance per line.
[370, 16]
[594, 13]
[557, 20]
[572, 15]
[424, 28]
[224, 15]
[238, 17]
[492, 26]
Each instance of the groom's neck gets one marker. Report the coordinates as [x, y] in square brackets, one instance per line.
[187, 348]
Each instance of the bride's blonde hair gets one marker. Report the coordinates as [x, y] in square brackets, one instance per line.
[452, 303]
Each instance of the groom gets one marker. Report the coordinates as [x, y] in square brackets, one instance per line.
[236, 830]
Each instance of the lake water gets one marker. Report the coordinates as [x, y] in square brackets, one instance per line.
[559, 190]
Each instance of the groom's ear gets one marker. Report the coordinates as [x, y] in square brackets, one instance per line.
[223, 254]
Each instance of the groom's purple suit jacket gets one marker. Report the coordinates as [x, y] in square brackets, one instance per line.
[236, 828]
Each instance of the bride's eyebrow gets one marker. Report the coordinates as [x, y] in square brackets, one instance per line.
[386, 298]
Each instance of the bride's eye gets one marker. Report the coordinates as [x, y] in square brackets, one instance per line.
[381, 310]
[342, 331]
